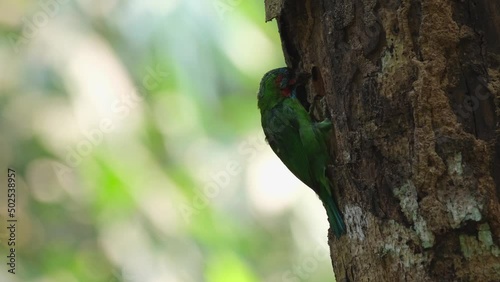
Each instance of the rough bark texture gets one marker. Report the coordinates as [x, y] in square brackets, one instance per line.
[412, 88]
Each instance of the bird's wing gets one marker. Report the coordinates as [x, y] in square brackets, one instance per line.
[312, 137]
[282, 128]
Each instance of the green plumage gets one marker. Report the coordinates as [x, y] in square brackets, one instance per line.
[296, 139]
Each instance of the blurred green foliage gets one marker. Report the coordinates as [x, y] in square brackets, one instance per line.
[134, 132]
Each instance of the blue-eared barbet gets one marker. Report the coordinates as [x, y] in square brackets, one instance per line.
[299, 142]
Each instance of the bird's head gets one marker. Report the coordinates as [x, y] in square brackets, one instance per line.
[275, 86]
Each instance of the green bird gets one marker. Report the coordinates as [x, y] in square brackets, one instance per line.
[299, 142]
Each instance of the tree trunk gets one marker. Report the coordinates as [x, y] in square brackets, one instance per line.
[412, 88]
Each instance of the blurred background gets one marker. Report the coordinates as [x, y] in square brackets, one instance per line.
[135, 136]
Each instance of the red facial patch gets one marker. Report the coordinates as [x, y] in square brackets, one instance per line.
[286, 92]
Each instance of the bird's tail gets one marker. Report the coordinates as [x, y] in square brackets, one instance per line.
[334, 214]
[335, 219]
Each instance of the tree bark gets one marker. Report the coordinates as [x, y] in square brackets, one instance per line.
[412, 88]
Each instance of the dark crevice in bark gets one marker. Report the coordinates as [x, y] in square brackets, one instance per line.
[488, 32]
[488, 41]
[468, 105]
[292, 55]
[414, 22]
[441, 265]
